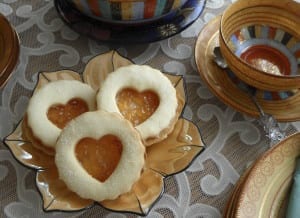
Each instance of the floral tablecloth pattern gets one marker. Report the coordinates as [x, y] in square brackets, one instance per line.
[47, 44]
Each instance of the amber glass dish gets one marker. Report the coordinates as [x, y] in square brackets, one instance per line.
[170, 156]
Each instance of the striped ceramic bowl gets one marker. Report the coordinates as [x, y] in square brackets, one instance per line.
[267, 48]
[126, 10]
[260, 40]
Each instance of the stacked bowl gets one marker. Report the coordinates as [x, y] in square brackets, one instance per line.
[129, 21]
[127, 10]
[260, 41]
[9, 50]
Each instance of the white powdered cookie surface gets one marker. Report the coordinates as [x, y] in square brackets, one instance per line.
[96, 125]
[141, 78]
[56, 92]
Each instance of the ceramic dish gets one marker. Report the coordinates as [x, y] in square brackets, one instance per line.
[255, 42]
[229, 91]
[128, 32]
[261, 94]
[264, 191]
[259, 40]
[126, 10]
[168, 157]
[231, 203]
[9, 50]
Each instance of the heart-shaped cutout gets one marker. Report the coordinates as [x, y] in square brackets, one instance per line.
[137, 106]
[60, 114]
[99, 157]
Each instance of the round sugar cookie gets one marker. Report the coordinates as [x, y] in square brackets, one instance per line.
[54, 104]
[81, 151]
[142, 79]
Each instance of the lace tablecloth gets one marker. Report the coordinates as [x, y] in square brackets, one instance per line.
[47, 44]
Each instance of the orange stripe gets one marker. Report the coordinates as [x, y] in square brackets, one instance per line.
[239, 36]
[149, 8]
[272, 32]
[94, 7]
[275, 96]
[297, 54]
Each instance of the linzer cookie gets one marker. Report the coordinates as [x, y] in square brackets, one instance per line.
[144, 96]
[99, 155]
[52, 106]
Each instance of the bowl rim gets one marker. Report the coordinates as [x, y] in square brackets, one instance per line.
[172, 12]
[242, 5]
[9, 57]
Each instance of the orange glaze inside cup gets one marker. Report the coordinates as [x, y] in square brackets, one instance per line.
[267, 59]
[60, 114]
[137, 106]
[99, 157]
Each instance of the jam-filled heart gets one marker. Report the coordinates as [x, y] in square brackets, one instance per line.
[145, 97]
[99, 157]
[60, 114]
[137, 106]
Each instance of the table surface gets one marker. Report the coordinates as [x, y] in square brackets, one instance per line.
[47, 44]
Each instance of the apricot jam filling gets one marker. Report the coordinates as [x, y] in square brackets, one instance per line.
[137, 106]
[99, 157]
[267, 59]
[60, 114]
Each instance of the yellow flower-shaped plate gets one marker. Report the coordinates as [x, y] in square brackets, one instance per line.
[168, 157]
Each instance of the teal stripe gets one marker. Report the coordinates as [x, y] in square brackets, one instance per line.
[283, 95]
[168, 6]
[104, 8]
[160, 7]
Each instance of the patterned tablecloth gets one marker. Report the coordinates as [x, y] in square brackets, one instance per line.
[47, 44]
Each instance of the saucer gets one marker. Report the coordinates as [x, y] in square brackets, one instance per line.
[166, 158]
[9, 50]
[230, 92]
[131, 32]
[263, 191]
